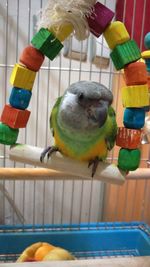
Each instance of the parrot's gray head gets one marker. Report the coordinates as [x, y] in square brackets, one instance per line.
[84, 106]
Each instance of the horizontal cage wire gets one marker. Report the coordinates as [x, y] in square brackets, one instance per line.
[78, 207]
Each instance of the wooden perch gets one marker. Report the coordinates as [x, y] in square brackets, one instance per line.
[78, 170]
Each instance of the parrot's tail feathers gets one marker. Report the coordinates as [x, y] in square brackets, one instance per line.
[48, 151]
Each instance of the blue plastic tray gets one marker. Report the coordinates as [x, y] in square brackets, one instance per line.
[84, 241]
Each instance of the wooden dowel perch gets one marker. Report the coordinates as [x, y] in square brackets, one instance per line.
[31, 155]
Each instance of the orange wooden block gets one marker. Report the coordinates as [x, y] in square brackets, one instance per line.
[135, 73]
[128, 138]
[15, 118]
[31, 58]
[148, 82]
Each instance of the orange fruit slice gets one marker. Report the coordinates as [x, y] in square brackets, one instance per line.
[42, 251]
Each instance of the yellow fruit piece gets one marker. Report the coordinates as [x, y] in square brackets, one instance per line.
[58, 254]
[116, 33]
[135, 96]
[22, 77]
[29, 252]
[62, 32]
[42, 252]
[145, 54]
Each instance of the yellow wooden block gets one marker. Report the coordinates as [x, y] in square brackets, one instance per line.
[62, 32]
[116, 33]
[135, 96]
[22, 77]
[145, 54]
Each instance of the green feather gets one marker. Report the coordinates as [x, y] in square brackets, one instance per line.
[112, 129]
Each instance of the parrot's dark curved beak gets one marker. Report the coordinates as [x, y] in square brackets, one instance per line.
[99, 115]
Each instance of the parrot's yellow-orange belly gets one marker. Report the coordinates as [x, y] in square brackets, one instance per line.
[99, 149]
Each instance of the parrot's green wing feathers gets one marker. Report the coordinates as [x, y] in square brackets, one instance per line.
[54, 114]
[112, 129]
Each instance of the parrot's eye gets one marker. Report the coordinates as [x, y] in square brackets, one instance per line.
[80, 96]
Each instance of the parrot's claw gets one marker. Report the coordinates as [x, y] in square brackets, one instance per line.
[49, 150]
[94, 164]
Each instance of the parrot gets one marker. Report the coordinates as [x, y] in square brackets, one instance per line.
[83, 123]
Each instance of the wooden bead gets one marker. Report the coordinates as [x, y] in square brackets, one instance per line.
[124, 54]
[99, 19]
[129, 160]
[62, 32]
[135, 73]
[128, 138]
[15, 118]
[8, 136]
[22, 77]
[135, 96]
[47, 43]
[147, 40]
[145, 54]
[31, 58]
[134, 118]
[115, 34]
[20, 98]
[148, 81]
[147, 62]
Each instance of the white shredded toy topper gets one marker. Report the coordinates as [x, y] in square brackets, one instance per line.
[58, 12]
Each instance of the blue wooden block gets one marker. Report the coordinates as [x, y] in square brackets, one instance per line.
[147, 62]
[20, 98]
[147, 40]
[134, 118]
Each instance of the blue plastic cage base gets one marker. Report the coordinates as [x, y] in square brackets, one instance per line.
[85, 241]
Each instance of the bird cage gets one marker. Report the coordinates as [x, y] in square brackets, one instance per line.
[101, 221]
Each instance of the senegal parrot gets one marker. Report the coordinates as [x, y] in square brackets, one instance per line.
[83, 123]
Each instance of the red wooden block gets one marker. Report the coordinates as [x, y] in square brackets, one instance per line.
[135, 73]
[31, 58]
[128, 138]
[99, 19]
[15, 118]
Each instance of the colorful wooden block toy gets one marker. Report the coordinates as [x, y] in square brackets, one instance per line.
[15, 118]
[115, 34]
[146, 56]
[62, 32]
[22, 77]
[124, 54]
[134, 118]
[148, 81]
[129, 160]
[135, 96]
[135, 73]
[8, 136]
[128, 138]
[31, 58]
[147, 40]
[20, 98]
[99, 19]
[47, 43]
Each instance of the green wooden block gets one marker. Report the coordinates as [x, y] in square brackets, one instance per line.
[47, 43]
[8, 136]
[125, 53]
[129, 160]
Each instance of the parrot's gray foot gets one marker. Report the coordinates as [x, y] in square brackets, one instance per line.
[48, 151]
[94, 163]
